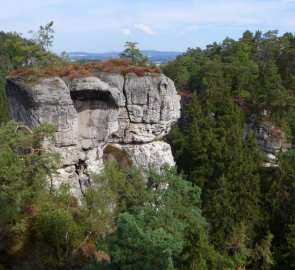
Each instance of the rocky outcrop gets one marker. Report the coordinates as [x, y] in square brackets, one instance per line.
[130, 112]
[270, 138]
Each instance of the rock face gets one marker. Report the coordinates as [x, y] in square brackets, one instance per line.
[89, 113]
[270, 139]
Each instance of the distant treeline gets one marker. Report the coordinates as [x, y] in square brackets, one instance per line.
[153, 56]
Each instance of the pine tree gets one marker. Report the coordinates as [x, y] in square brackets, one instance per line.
[167, 223]
[275, 96]
[133, 54]
[225, 164]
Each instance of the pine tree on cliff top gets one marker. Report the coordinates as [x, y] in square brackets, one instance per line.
[133, 54]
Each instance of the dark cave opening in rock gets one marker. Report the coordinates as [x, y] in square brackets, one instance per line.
[97, 113]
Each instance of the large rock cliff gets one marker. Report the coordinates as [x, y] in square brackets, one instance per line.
[129, 112]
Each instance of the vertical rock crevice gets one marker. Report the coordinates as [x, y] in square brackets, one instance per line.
[83, 180]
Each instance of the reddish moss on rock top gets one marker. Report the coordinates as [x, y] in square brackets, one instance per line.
[120, 66]
[87, 69]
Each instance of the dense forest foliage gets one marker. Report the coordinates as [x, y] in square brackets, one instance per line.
[249, 207]
[221, 209]
[122, 222]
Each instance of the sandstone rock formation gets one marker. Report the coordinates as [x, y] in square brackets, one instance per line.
[130, 112]
[270, 138]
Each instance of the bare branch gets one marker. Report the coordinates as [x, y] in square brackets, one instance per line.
[82, 243]
[23, 127]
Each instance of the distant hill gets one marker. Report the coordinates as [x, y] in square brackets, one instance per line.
[154, 56]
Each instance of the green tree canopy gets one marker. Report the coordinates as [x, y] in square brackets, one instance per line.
[133, 54]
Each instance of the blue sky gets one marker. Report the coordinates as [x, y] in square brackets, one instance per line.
[105, 26]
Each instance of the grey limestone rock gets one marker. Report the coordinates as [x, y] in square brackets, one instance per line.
[151, 156]
[91, 112]
[151, 99]
[270, 138]
[48, 100]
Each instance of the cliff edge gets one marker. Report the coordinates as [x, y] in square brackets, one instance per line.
[127, 112]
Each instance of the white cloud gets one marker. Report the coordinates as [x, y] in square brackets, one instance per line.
[126, 32]
[144, 29]
[166, 15]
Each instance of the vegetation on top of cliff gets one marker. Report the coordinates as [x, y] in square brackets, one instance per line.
[122, 66]
[131, 61]
[133, 55]
[87, 69]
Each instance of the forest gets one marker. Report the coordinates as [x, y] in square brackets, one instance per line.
[219, 208]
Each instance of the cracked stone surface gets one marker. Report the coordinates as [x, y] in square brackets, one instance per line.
[270, 139]
[89, 113]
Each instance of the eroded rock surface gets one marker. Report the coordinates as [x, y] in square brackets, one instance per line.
[270, 139]
[89, 113]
